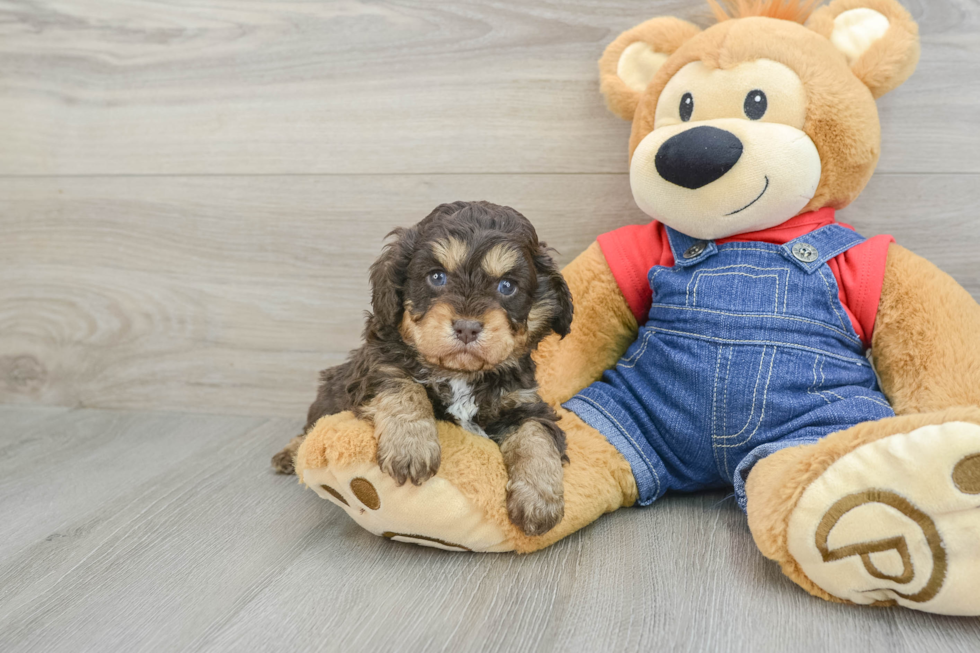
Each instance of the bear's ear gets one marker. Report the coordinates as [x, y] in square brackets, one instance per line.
[879, 38]
[631, 61]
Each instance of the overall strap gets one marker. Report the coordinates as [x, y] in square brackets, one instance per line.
[812, 250]
[689, 251]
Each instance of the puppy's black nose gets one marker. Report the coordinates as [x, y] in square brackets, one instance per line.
[698, 156]
[467, 330]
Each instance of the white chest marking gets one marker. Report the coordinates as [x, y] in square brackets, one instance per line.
[463, 406]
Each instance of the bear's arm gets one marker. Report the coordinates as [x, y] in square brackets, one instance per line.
[603, 328]
[926, 344]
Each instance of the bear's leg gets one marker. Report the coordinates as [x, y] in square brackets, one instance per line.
[464, 506]
[886, 512]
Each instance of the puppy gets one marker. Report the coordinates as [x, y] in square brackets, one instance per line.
[459, 302]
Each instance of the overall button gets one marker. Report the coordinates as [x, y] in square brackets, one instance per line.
[806, 253]
[696, 249]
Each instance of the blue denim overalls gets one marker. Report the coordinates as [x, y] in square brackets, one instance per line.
[747, 351]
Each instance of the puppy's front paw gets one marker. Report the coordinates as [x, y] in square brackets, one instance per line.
[409, 450]
[535, 491]
[535, 506]
[283, 462]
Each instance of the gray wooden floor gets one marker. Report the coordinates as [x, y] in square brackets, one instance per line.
[141, 531]
[191, 192]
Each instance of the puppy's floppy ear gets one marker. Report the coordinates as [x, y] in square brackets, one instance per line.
[879, 38]
[553, 293]
[631, 61]
[388, 277]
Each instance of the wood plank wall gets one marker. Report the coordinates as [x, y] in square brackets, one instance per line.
[191, 192]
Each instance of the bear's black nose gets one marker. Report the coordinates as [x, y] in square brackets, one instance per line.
[698, 156]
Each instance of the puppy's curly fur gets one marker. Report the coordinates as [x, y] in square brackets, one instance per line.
[459, 302]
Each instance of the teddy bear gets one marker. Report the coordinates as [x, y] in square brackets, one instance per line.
[744, 338]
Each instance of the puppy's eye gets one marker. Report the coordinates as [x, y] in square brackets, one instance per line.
[437, 278]
[506, 287]
[687, 107]
[756, 105]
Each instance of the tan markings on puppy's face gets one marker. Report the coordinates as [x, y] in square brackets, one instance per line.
[728, 153]
[500, 260]
[434, 337]
[540, 316]
[450, 253]
[500, 339]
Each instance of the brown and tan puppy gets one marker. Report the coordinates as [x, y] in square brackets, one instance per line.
[459, 302]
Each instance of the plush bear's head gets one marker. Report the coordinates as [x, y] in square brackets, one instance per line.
[758, 118]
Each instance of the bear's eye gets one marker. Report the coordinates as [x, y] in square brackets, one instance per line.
[756, 105]
[687, 107]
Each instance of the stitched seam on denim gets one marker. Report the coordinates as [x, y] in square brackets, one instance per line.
[626, 434]
[822, 394]
[745, 265]
[657, 269]
[714, 406]
[755, 391]
[876, 401]
[818, 239]
[722, 466]
[715, 272]
[762, 413]
[748, 249]
[706, 273]
[703, 256]
[785, 292]
[833, 300]
[838, 252]
[823, 380]
[653, 277]
[685, 242]
[670, 242]
[738, 274]
[755, 394]
[874, 382]
[812, 390]
[860, 362]
[635, 358]
[728, 376]
[824, 325]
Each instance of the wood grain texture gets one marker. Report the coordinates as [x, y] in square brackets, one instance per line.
[202, 548]
[159, 87]
[228, 294]
[191, 193]
[223, 294]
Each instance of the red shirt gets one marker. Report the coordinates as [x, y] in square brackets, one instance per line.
[860, 271]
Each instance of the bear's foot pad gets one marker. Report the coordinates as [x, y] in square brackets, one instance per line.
[435, 514]
[897, 521]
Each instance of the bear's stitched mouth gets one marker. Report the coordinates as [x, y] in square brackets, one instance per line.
[753, 201]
